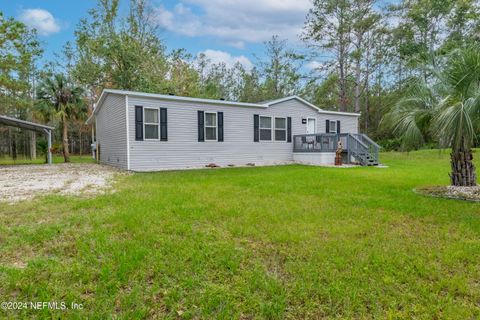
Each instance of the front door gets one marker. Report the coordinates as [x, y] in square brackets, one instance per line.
[311, 125]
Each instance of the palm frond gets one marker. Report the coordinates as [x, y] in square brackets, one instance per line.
[61, 95]
[456, 122]
[448, 106]
[410, 116]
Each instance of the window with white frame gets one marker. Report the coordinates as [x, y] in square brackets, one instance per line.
[265, 128]
[210, 126]
[151, 124]
[332, 127]
[280, 129]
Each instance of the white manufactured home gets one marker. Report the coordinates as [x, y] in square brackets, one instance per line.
[149, 132]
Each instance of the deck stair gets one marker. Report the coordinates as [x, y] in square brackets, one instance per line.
[363, 149]
[365, 159]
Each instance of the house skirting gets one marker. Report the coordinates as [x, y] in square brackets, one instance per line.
[315, 158]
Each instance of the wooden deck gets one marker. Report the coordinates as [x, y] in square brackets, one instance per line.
[358, 148]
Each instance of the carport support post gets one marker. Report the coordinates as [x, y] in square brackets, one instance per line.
[49, 145]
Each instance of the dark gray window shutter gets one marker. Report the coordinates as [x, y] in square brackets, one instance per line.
[220, 126]
[201, 131]
[163, 124]
[289, 129]
[338, 126]
[138, 123]
[256, 128]
[327, 126]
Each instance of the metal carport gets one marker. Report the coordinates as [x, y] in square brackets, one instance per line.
[27, 125]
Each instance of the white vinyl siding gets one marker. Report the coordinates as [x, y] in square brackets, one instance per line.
[182, 149]
[349, 124]
[111, 126]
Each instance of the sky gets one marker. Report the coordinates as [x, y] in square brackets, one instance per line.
[225, 30]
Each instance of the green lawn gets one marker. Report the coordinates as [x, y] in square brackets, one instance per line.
[285, 242]
[41, 160]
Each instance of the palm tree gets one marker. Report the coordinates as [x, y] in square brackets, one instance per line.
[62, 98]
[447, 108]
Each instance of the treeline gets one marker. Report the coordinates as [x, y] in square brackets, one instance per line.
[358, 56]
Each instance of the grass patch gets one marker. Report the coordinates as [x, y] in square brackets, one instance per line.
[41, 160]
[264, 242]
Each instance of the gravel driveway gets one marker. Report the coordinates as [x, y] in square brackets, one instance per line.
[23, 182]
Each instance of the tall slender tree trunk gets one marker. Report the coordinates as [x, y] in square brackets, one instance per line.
[343, 95]
[357, 86]
[14, 146]
[367, 86]
[80, 140]
[367, 107]
[342, 80]
[358, 73]
[9, 142]
[463, 169]
[66, 154]
[33, 145]
[342, 59]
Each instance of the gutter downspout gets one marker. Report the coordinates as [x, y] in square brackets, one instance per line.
[94, 143]
[128, 135]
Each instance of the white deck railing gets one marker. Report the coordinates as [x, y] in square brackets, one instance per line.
[358, 146]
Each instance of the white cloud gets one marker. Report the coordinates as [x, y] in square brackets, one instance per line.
[181, 20]
[236, 22]
[41, 20]
[313, 65]
[217, 56]
[163, 17]
[236, 44]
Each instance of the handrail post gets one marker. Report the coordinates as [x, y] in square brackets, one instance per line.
[48, 132]
[347, 142]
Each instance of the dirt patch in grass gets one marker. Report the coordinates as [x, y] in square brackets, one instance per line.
[26, 182]
[451, 192]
